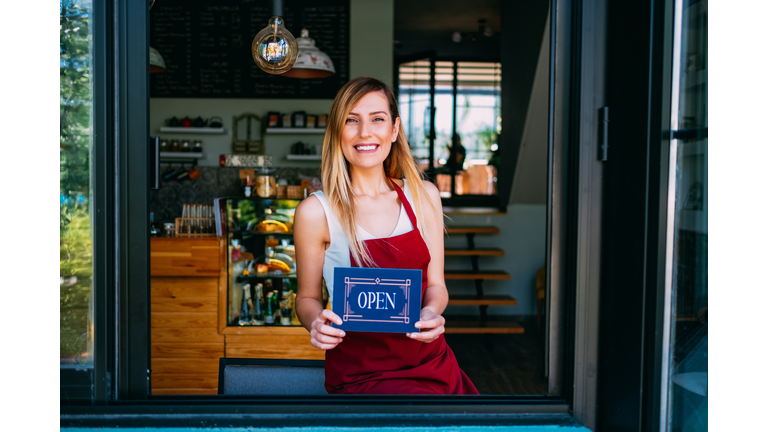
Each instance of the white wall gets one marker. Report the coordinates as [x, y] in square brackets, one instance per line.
[371, 35]
[530, 183]
[522, 236]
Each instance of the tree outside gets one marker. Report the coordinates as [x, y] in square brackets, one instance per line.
[75, 244]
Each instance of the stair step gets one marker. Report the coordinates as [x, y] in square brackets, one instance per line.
[473, 252]
[472, 230]
[472, 275]
[471, 326]
[488, 300]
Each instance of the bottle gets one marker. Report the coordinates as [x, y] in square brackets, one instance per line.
[294, 317]
[276, 307]
[258, 308]
[152, 227]
[246, 306]
[269, 312]
[286, 309]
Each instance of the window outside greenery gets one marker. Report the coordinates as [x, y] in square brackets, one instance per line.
[75, 241]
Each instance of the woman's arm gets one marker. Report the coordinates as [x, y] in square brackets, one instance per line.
[432, 323]
[310, 237]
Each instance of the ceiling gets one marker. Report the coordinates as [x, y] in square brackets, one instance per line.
[440, 18]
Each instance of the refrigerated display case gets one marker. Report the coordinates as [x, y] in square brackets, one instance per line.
[261, 268]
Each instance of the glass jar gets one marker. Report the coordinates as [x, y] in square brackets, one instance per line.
[164, 147]
[186, 147]
[175, 145]
[197, 146]
[169, 229]
[266, 185]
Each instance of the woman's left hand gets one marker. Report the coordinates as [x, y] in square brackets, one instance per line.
[431, 324]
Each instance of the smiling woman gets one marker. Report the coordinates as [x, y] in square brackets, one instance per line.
[369, 180]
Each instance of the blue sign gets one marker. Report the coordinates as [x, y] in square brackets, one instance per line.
[377, 299]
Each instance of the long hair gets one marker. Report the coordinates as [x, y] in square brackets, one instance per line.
[337, 185]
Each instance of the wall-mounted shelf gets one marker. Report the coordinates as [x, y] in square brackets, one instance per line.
[314, 157]
[193, 130]
[180, 155]
[295, 130]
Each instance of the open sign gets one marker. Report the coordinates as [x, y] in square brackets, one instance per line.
[376, 299]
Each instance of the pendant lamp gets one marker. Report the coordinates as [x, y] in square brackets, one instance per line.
[274, 48]
[156, 62]
[311, 62]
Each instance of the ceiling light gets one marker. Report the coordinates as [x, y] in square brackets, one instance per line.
[156, 62]
[311, 62]
[274, 48]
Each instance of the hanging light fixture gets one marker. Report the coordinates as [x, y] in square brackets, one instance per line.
[311, 62]
[274, 47]
[156, 62]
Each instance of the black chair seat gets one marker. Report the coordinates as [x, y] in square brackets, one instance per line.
[274, 377]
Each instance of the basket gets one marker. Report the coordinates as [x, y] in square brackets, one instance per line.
[200, 227]
[294, 192]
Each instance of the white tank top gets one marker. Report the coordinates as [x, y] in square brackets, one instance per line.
[337, 254]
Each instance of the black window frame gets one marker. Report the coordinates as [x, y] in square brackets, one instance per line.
[115, 392]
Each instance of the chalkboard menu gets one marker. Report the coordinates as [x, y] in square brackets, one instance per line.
[206, 46]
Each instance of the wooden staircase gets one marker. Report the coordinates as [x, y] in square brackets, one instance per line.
[482, 324]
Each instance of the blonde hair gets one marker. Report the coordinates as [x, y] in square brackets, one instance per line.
[337, 185]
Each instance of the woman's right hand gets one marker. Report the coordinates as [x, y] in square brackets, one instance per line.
[322, 335]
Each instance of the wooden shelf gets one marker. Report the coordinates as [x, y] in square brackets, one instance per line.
[295, 130]
[486, 300]
[474, 327]
[472, 275]
[472, 230]
[473, 252]
[303, 157]
[193, 130]
[181, 155]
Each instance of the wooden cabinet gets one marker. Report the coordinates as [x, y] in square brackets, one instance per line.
[188, 281]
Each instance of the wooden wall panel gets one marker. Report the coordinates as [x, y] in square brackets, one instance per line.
[184, 304]
[182, 319]
[186, 334]
[194, 380]
[177, 287]
[185, 365]
[187, 350]
[185, 256]
[269, 346]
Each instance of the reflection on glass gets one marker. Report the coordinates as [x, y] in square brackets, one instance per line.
[688, 349]
[75, 245]
[467, 127]
[415, 109]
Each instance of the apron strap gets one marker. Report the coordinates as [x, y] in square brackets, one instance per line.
[406, 204]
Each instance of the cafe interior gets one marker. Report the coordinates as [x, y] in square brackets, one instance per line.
[239, 148]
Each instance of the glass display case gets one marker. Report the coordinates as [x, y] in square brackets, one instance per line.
[261, 267]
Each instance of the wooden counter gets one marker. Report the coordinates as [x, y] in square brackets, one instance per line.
[188, 319]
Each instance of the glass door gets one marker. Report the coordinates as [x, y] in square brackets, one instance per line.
[685, 364]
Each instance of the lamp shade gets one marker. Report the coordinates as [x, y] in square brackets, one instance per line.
[156, 62]
[311, 62]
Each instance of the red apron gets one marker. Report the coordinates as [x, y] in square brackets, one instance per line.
[392, 363]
